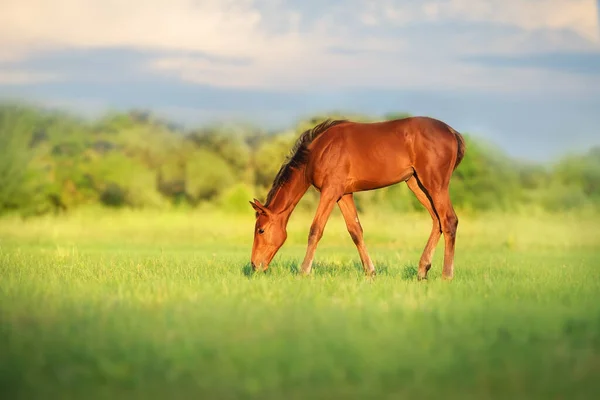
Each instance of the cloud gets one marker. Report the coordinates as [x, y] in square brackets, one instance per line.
[219, 27]
[580, 63]
[296, 45]
[579, 16]
[19, 77]
[252, 28]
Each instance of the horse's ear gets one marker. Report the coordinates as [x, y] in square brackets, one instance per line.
[258, 207]
[258, 203]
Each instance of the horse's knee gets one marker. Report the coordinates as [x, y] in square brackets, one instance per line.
[450, 225]
[315, 233]
[356, 233]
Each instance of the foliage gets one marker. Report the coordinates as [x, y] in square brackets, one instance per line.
[16, 129]
[581, 172]
[485, 179]
[207, 175]
[55, 162]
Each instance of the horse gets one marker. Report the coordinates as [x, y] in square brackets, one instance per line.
[341, 157]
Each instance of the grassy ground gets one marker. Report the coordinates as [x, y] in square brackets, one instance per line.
[138, 305]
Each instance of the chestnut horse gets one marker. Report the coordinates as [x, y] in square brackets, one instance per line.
[341, 157]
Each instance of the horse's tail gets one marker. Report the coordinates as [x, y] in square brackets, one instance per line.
[460, 154]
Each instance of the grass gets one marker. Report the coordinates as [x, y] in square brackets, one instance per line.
[141, 305]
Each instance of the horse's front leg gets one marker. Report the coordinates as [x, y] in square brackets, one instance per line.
[326, 203]
[348, 208]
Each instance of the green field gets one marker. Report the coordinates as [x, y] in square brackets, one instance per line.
[141, 305]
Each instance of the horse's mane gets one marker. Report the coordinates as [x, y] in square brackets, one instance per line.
[298, 155]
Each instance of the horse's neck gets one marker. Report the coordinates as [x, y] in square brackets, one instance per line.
[289, 194]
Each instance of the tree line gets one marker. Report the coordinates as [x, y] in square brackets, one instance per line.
[54, 162]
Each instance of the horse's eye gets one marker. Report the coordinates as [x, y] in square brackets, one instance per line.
[261, 231]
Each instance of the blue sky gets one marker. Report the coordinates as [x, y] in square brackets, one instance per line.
[524, 74]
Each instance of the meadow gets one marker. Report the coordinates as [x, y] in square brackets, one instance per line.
[139, 304]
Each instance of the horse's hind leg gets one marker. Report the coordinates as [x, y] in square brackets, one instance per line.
[434, 236]
[449, 222]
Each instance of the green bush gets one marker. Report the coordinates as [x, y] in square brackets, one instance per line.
[235, 198]
[16, 128]
[207, 175]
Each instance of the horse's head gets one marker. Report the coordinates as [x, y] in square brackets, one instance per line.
[269, 236]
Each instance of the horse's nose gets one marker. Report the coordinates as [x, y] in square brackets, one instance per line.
[253, 265]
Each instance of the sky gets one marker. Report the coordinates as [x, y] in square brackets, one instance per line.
[523, 74]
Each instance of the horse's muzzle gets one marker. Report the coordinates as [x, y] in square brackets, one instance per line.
[258, 267]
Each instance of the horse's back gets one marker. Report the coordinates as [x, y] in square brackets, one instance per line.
[411, 136]
[374, 154]
[403, 137]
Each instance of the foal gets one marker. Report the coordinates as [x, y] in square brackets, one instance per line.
[341, 157]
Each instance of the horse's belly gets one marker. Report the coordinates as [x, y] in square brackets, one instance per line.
[375, 179]
[379, 166]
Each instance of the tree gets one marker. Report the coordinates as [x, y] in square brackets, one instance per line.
[16, 127]
[207, 175]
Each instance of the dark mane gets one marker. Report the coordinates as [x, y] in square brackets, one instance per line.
[298, 155]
